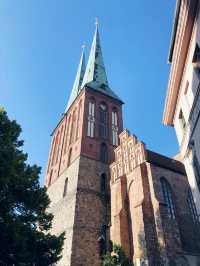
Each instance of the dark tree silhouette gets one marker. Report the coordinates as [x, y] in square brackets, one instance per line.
[24, 222]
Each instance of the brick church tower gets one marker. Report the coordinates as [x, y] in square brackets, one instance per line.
[77, 177]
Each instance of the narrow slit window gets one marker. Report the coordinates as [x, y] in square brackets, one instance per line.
[65, 188]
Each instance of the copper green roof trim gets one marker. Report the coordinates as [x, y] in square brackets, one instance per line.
[95, 75]
[78, 81]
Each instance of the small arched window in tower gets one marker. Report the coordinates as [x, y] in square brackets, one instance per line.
[114, 128]
[103, 183]
[65, 187]
[103, 153]
[167, 196]
[103, 121]
[192, 207]
[69, 157]
[91, 119]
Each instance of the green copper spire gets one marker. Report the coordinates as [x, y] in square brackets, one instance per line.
[95, 75]
[78, 80]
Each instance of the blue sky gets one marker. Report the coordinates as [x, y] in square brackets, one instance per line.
[40, 48]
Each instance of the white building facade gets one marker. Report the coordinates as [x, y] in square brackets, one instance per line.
[182, 104]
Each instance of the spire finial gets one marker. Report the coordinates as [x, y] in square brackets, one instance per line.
[83, 46]
[96, 22]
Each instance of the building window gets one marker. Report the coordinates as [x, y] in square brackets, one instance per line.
[102, 240]
[65, 187]
[192, 206]
[103, 183]
[91, 119]
[167, 196]
[103, 121]
[103, 153]
[182, 119]
[69, 157]
[196, 56]
[196, 167]
[114, 128]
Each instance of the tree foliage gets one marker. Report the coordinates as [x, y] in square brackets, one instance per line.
[24, 222]
[116, 258]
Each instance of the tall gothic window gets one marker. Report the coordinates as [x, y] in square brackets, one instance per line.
[103, 121]
[114, 128]
[192, 207]
[103, 153]
[103, 183]
[91, 119]
[167, 196]
[67, 133]
[65, 187]
[196, 167]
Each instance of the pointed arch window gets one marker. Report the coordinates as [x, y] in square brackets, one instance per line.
[103, 121]
[192, 207]
[65, 188]
[167, 196]
[91, 119]
[103, 153]
[114, 127]
[103, 183]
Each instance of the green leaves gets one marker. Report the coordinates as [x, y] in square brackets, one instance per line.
[117, 258]
[24, 222]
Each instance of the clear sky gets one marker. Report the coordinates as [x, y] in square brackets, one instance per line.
[40, 48]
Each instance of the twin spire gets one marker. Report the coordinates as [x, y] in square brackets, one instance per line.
[94, 75]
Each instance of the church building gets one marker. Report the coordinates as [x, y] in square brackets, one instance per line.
[103, 190]
[77, 175]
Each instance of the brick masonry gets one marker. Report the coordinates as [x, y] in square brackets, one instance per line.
[139, 214]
